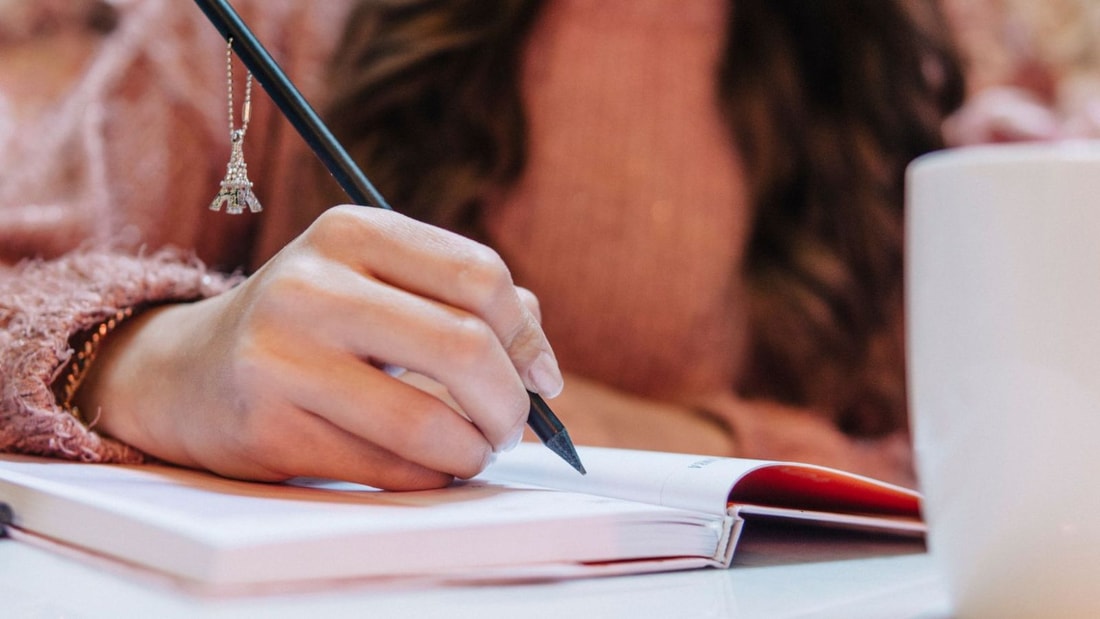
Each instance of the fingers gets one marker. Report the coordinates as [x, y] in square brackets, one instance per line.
[365, 403]
[448, 268]
[325, 451]
[304, 445]
[321, 411]
[531, 302]
[298, 377]
[366, 320]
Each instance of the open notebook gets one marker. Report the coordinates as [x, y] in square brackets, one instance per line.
[528, 516]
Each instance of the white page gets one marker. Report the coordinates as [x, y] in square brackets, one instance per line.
[684, 481]
[694, 482]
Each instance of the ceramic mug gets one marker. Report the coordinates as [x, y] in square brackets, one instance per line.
[1003, 319]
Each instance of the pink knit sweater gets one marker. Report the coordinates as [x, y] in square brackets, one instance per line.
[113, 145]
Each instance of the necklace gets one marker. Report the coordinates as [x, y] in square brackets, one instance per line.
[235, 191]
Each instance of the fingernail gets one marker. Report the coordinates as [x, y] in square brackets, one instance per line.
[514, 440]
[544, 376]
[395, 371]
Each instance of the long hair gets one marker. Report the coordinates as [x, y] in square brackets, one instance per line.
[424, 94]
[827, 102]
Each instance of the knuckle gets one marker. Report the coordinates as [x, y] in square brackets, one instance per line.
[341, 216]
[290, 290]
[331, 222]
[531, 302]
[286, 287]
[468, 341]
[342, 225]
[524, 343]
[483, 275]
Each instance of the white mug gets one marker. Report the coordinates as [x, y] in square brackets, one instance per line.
[1003, 317]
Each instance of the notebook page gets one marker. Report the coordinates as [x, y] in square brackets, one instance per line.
[683, 481]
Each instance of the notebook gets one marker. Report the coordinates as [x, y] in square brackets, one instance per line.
[528, 516]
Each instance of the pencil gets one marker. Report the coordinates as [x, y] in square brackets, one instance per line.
[542, 421]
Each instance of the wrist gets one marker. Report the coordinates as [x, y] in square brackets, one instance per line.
[113, 379]
[87, 345]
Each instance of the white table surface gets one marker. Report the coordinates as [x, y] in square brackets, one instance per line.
[777, 573]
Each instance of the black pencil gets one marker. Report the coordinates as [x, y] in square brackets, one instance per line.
[336, 160]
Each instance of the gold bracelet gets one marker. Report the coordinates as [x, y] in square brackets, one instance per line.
[82, 362]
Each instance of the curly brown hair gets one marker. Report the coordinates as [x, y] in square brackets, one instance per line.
[827, 101]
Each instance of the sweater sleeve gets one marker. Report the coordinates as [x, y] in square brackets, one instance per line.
[43, 304]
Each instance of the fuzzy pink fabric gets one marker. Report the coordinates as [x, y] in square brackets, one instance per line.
[118, 140]
[41, 305]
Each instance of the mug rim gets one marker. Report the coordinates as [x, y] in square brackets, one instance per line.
[1010, 152]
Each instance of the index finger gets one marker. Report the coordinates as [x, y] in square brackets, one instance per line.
[449, 268]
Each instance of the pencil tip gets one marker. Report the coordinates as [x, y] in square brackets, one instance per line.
[562, 445]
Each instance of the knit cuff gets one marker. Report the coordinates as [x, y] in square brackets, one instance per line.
[43, 304]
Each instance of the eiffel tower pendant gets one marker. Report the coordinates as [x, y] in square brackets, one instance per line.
[236, 190]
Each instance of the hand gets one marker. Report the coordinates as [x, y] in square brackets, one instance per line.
[290, 373]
